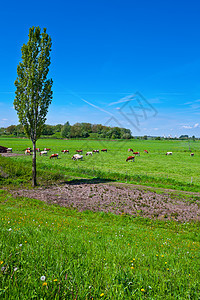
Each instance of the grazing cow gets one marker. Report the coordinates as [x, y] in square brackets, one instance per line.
[28, 152]
[89, 153]
[79, 151]
[43, 153]
[37, 149]
[104, 150]
[129, 150]
[130, 158]
[191, 154]
[95, 151]
[9, 150]
[54, 155]
[136, 153]
[47, 149]
[146, 151]
[169, 153]
[65, 151]
[77, 156]
[28, 148]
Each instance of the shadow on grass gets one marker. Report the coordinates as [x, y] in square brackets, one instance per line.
[87, 181]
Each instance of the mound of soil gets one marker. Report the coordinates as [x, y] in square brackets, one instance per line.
[117, 199]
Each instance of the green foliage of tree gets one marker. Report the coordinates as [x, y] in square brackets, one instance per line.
[10, 129]
[65, 131]
[2, 131]
[76, 130]
[48, 130]
[33, 93]
[57, 128]
[19, 130]
[183, 137]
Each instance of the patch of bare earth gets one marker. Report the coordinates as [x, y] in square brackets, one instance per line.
[117, 200]
[10, 154]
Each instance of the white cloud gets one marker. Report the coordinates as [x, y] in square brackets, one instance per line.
[196, 125]
[187, 127]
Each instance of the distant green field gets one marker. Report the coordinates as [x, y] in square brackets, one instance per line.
[179, 171]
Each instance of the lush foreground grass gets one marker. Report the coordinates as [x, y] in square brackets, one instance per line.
[49, 252]
[179, 171]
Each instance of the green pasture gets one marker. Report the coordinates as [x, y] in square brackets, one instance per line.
[50, 252]
[178, 171]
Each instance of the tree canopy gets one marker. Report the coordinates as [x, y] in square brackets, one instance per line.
[33, 90]
[33, 93]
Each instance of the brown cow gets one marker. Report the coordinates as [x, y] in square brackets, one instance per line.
[130, 158]
[79, 151]
[28, 152]
[136, 153]
[104, 150]
[54, 155]
[65, 151]
[146, 151]
[129, 150]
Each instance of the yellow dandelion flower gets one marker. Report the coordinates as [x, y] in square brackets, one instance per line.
[44, 284]
[102, 294]
[25, 241]
[165, 262]
[156, 254]
[162, 255]
[55, 279]
[142, 290]
[132, 267]
[1, 262]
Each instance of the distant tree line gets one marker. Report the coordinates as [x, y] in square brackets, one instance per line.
[86, 130]
[78, 130]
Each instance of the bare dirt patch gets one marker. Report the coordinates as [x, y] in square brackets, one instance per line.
[10, 154]
[117, 199]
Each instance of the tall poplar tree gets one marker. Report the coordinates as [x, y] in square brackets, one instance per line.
[33, 93]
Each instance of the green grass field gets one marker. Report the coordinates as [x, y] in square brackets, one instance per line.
[49, 252]
[179, 171]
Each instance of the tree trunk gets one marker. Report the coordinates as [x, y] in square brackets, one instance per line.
[34, 183]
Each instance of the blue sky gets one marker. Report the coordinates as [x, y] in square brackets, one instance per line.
[134, 64]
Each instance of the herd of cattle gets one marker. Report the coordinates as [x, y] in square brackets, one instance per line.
[79, 156]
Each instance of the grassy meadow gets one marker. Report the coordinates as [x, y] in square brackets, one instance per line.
[177, 171]
[50, 252]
